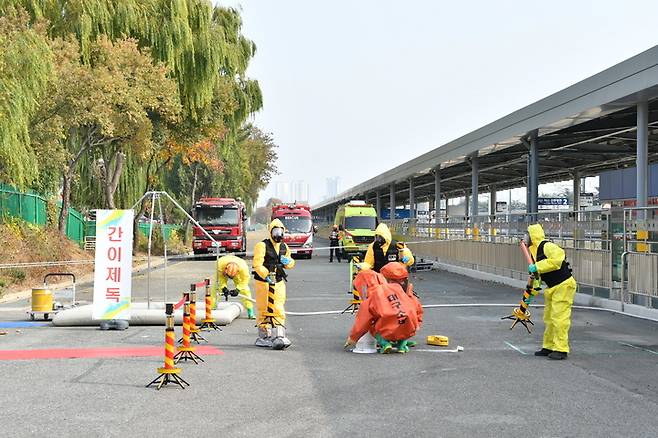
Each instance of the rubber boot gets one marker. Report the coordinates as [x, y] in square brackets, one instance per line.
[264, 337]
[250, 313]
[558, 355]
[402, 346]
[279, 340]
[411, 344]
[385, 347]
[543, 352]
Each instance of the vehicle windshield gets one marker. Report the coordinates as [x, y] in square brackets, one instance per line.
[215, 216]
[296, 224]
[360, 222]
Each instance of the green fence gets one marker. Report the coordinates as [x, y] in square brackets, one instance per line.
[31, 207]
[90, 228]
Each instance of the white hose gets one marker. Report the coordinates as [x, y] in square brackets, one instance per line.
[438, 306]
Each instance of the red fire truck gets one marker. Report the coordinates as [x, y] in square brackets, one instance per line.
[299, 227]
[224, 219]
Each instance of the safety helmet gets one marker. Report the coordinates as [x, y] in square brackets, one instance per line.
[231, 269]
[395, 271]
[277, 234]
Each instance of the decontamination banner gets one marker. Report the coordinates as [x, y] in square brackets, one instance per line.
[113, 267]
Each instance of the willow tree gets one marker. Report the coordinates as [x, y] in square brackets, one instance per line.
[25, 67]
[104, 109]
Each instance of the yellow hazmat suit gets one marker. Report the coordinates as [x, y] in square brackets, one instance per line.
[277, 316]
[559, 294]
[241, 279]
[377, 258]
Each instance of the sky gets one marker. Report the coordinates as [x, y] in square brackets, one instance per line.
[354, 88]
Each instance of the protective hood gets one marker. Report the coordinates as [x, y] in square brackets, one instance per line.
[276, 223]
[382, 230]
[536, 233]
[395, 271]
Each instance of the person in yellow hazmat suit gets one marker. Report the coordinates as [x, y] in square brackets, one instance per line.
[230, 267]
[385, 250]
[271, 258]
[552, 266]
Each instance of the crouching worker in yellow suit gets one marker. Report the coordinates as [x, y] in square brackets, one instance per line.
[230, 267]
[552, 266]
[271, 257]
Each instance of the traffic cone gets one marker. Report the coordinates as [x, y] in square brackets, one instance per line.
[208, 322]
[195, 332]
[169, 373]
[186, 352]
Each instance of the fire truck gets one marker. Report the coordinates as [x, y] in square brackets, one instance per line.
[224, 219]
[299, 227]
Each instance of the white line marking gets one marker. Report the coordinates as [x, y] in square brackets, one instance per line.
[516, 348]
[639, 348]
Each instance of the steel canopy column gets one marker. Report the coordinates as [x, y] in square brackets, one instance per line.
[534, 172]
[475, 174]
[392, 200]
[412, 199]
[642, 154]
[576, 191]
[492, 200]
[437, 193]
[378, 202]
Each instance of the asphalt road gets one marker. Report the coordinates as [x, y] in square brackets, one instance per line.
[607, 387]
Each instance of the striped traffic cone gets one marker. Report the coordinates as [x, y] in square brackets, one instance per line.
[195, 332]
[208, 322]
[169, 373]
[186, 352]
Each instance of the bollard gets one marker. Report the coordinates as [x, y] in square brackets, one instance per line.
[208, 322]
[356, 296]
[169, 373]
[195, 332]
[186, 352]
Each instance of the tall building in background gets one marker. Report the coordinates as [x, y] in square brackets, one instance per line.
[333, 187]
[282, 191]
[300, 191]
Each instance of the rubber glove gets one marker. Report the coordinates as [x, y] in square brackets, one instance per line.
[285, 260]
[349, 344]
[269, 280]
[405, 259]
[532, 268]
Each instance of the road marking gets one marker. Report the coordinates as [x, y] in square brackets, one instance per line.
[107, 352]
[639, 348]
[516, 348]
[454, 350]
[22, 324]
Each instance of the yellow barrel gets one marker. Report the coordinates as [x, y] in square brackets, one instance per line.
[42, 300]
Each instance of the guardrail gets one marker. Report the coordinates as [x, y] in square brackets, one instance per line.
[593, 240]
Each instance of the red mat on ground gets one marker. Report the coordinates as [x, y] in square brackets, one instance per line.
[82, 353]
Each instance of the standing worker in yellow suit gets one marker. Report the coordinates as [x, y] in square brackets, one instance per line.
[385, 250]
[236, 269]
[271, 258]
[551, 264]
